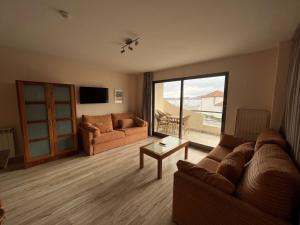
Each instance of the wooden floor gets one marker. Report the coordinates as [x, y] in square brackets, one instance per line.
[108, 188]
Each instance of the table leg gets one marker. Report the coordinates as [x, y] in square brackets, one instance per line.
[159, 168]
[186, 148]
[141, 160]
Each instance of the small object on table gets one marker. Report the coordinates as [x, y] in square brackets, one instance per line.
[158, 151]
[161, 143]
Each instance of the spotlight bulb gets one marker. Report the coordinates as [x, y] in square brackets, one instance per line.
[136, 43]
[129, 47]
[123, 50]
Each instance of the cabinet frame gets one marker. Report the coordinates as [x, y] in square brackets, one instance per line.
[51, 122]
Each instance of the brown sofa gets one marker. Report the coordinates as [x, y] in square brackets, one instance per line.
[101, 133]
[267, 192]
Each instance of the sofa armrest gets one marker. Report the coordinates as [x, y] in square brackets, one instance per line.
[140, 122]
[195, 202]
[230, 141]
[86, 139]
[213, 179]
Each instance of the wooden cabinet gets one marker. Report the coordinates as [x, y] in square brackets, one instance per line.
[48, 120]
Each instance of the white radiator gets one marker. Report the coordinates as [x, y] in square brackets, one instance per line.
[7, 141]
[250, 122]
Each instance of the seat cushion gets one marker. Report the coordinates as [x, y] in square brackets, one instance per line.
[247, 149]
[232, 166]
[104, 122]
[119, 116]
[271, 182]
[270, 136]
[213, 179]
[219, 153]
[134, 130]
[208, 164]
[109, 136]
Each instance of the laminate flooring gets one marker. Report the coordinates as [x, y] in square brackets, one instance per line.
[105, 189]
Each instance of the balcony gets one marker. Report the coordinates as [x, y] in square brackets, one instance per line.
[203, 127]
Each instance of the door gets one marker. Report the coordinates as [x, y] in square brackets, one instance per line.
[167, 108]
[202, 112]
[192, 108]
[34, 104]
[64, 118]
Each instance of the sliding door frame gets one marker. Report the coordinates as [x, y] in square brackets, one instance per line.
[182, 79]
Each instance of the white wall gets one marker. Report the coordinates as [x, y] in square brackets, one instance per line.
[251, 84]
[22, 65]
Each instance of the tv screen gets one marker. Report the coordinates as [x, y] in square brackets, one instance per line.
[93, 95]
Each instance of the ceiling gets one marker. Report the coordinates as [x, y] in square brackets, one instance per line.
[173, 32]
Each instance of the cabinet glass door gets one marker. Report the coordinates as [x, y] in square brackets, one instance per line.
[37, 120]
[63, 118]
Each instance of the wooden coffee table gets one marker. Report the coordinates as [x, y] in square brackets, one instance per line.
[159, 152]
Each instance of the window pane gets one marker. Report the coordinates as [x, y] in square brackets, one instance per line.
[167, 107]
[36, 112]
[34, 92]
[62, 111]
[61, 93]
[202, 110]
[39, 148]
[37, 130]
[64, 127]
[65, 143]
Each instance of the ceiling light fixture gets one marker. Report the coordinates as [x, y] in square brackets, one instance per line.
[64, 14]
[128, 43]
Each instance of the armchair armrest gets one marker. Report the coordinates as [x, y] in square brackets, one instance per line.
[196, 202]
[140, 122]
[86, 139]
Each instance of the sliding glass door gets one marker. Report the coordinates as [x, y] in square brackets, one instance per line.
[191, 108]
[167, 107]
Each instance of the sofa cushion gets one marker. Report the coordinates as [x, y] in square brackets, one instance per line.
[247, 149]
[213, 179]
[127, 123]
[134, 130]
[140, 122]
[229, 141]
[232, 166]
[271, 182]
[208, 164]
[104, 122]
[269, 136]
[119, 116]
[108, 136]
[219, 153]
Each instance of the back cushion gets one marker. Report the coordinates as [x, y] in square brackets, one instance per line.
[127, 123]
[232, 166]
[269, 136]
[271, 183]
[247, 149]
[120, 116]
[104, 122]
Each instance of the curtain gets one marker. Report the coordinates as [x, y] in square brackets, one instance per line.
[291, 121]
[147, 100]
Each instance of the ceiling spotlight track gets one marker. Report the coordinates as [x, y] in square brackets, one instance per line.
[128, 44]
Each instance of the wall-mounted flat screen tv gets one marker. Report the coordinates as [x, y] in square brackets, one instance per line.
[90, 95]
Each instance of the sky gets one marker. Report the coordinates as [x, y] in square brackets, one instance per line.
[194, 87]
